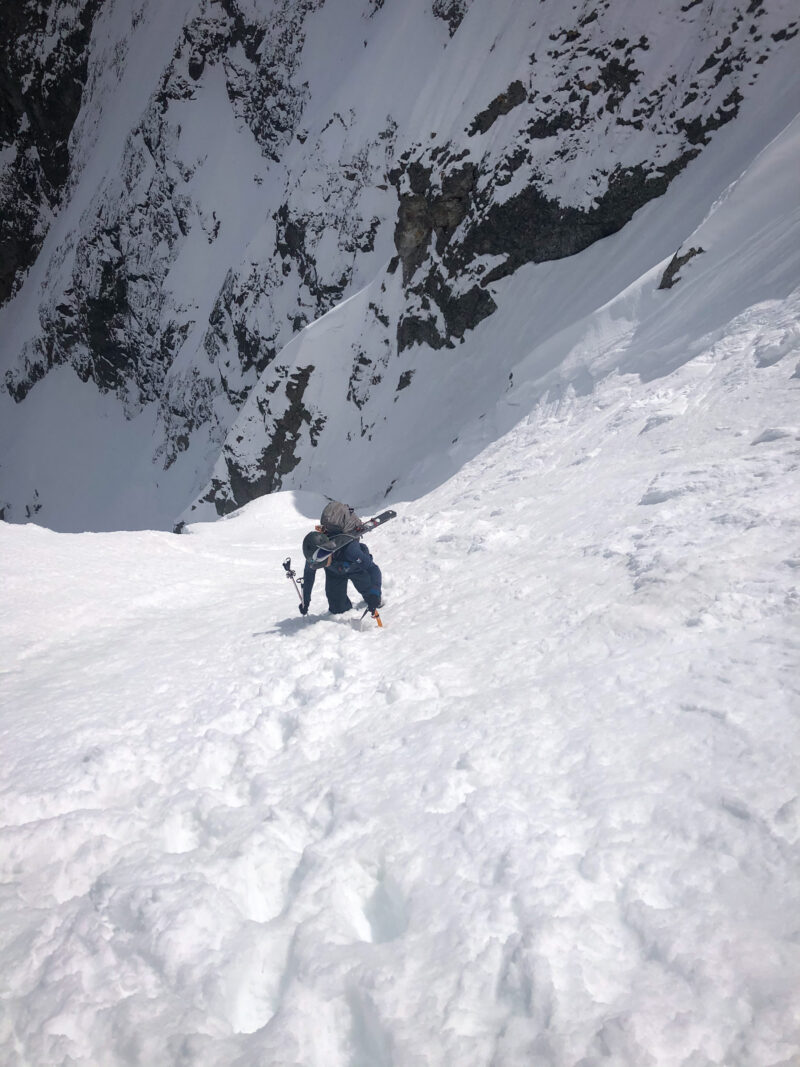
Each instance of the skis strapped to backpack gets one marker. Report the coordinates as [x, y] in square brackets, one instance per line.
[365, 527]
[379, 520]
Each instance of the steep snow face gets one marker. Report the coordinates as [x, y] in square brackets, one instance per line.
[548, 815]
[240, 169]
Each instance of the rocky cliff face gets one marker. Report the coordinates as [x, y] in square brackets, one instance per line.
[43, 65]
[288, 156]
[513, 199]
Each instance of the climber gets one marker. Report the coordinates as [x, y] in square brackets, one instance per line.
[335, 547]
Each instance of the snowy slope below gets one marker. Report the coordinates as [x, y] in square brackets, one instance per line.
[548, 815]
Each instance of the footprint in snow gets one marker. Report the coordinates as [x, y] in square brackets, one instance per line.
[775, 433]
[658, 496]
[655, 420]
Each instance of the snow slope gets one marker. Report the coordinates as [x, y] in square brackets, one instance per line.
[548, 815]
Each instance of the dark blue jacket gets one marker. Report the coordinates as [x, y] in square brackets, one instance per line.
[352, 562]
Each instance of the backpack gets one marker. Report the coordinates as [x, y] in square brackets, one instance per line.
[339, 518]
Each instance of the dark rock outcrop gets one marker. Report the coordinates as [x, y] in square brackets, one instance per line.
[277, 459]
[514, 95]
[426, 212]
[451, 11]
[456, 233]
[40, 97]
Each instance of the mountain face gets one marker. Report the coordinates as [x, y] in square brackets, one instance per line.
[248, 245]
[43, 68]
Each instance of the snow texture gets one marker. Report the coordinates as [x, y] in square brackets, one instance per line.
[548, 815]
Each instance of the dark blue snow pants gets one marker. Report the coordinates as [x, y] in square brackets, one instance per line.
[336, 588]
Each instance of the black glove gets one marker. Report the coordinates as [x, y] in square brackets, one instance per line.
[373, 603]
[303, 609]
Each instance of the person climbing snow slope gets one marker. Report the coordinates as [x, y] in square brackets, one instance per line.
[336, 548]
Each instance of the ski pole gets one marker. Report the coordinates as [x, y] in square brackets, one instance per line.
[287, 566]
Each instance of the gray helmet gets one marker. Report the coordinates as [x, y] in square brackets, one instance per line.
[318, 548]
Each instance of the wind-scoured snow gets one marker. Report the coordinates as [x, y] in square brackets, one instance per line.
[548, 815]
